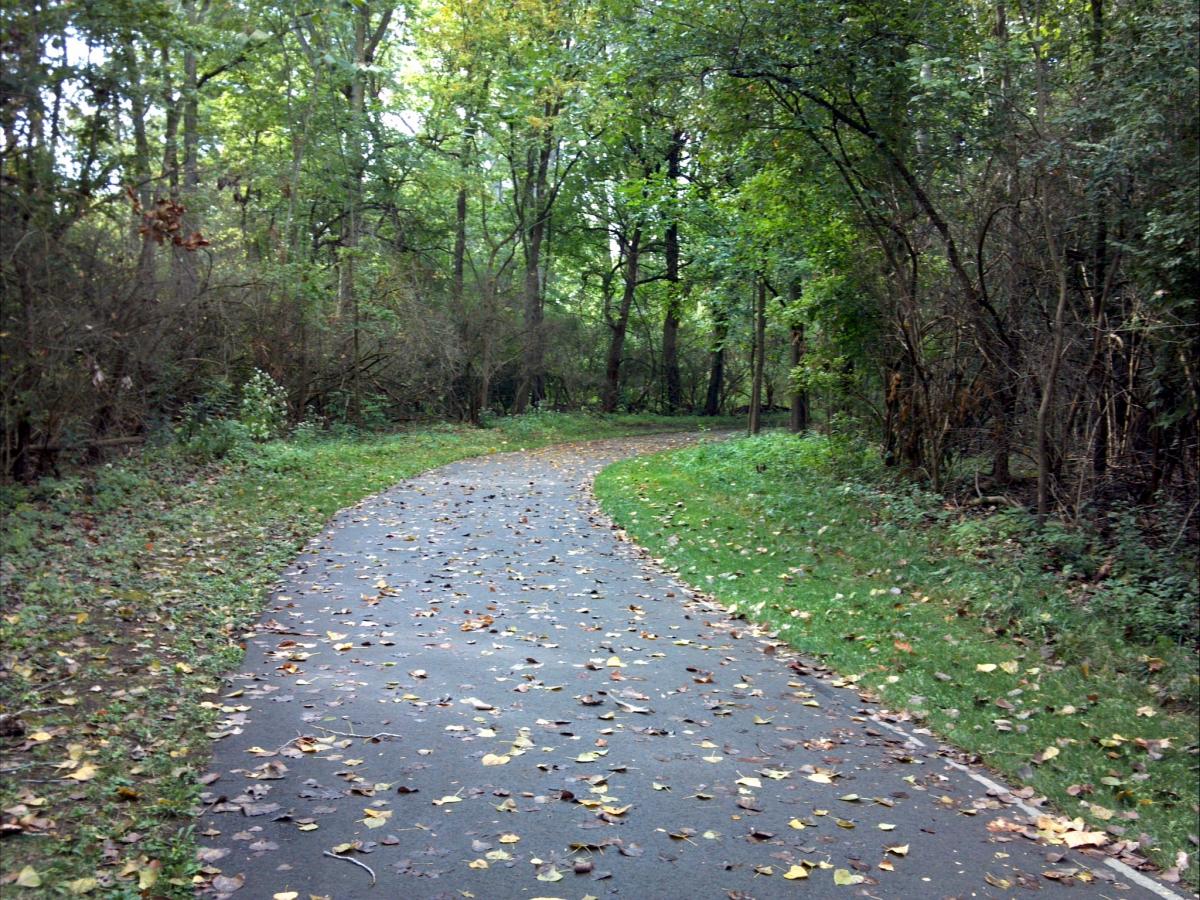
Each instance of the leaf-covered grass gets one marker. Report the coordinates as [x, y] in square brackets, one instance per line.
[127, 590]
[996, 654]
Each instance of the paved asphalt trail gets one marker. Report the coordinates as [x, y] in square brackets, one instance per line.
[473, 663]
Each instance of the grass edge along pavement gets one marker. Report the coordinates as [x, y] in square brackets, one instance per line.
[126, 592]
[860, 577]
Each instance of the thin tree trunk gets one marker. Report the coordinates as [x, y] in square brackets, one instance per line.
[760, 333]
[347, 293]
[616, 345]
[671, 318]
[716, 366]
[798, 420]
[1051, 381]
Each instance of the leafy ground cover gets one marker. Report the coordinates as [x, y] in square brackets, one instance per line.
[969, 625]
[127, 590]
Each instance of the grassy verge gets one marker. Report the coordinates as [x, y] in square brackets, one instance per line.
[126, 591]
[989, 649]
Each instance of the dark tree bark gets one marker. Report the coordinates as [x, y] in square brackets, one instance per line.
[716, 365]
[671, 319]
[760, 333]
[618, 326]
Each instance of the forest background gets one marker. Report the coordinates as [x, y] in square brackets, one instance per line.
[967, 229]
[954, 241]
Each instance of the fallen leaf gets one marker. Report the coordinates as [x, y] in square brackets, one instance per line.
[843, 878]
[86, 772]
[28, 877]
[795, 873]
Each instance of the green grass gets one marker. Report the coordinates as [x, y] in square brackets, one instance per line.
[127, 590]
[874, 582]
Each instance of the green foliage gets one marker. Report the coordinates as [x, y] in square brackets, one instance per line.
[263, 408]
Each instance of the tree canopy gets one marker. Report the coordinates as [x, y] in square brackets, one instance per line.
[968, 228]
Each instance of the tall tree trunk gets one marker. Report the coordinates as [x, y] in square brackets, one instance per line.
[183, 261]
[460, 243]
[1042, 438]
[760, 356]
[670, 342]
[144, 289]
[798, 419]
[536, 207]
[716, 364]
[616, 344]
[347, 293]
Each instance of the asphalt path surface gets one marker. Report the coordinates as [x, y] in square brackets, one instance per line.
[470, 686]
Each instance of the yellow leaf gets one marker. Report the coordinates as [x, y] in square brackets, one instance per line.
[477, 864]
[614, 662]
[843, 878]
[820, 778]
[41, 736]
[86, 772]
[509, 838]
[1012, 667]
[712, 759]
[492, 759]
[749, 782]
[376, 818]
[285, 895]
[1075, 839]
[985, 667]
[1048, 754]
[797, 824]
[148, 875]
[449, 798]
[29, 878]
[498, 855]
[552, 875]
[343, 647]
[82, 886]
[309, 826]
[184, 668]
[899, 850]
[886, 826]
[334, 636]
[795, 872]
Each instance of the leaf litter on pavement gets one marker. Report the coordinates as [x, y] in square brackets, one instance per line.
[522, 700]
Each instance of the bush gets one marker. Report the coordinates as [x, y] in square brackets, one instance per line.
[263, 410]
[210, 440]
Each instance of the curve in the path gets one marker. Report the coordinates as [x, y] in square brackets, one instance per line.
[469, 686]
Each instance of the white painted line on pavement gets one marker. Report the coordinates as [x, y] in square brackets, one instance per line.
[1132, 874]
